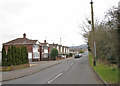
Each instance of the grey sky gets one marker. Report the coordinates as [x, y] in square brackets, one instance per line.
[48, 19]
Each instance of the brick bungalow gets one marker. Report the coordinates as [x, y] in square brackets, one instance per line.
[33, 46]
[44, 51]
[54, 46]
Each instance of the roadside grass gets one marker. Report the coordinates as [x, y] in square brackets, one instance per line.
[106, 72]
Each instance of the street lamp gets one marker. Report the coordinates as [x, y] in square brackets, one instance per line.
[92, 25]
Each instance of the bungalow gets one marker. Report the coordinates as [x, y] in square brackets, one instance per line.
[66, 50]
[54, 46]
[44, 51]
[33, 46]
[60, 49]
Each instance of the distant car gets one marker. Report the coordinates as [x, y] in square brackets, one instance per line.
[80, 55]
[77, 56]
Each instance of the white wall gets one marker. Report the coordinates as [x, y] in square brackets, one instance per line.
[45, 52]
[36, 54]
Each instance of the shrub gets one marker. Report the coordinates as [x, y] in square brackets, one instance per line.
[54, 53]
[70, 54]
[81, 51]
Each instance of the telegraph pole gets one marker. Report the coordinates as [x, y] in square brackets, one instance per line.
[92, 17]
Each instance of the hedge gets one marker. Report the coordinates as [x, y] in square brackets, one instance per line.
[14, 56]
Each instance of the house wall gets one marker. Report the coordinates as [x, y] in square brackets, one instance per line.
[44, 54]
[36, 53]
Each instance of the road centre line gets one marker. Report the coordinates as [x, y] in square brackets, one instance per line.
[67, 68]
[55, 77]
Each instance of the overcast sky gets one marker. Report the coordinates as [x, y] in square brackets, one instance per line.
[48, 19]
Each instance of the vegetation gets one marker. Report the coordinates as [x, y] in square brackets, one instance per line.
[54, 54]
[70, 54]
[105, 36]
[81, 51]
[14, 56]
[107, 73]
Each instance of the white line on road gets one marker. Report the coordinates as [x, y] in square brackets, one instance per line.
[67, 68]
[55, 78]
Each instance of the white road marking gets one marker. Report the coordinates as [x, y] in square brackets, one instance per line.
[55, 78]
[67, 68]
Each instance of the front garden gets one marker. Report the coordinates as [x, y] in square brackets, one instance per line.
[14, 58]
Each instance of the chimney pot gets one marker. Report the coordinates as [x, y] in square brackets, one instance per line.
[24, 35]
[44, 41]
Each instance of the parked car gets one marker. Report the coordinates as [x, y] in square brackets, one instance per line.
[80, 54]
[77, 56]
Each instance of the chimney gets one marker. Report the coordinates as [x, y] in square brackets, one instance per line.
[44, 41]
[24, 35]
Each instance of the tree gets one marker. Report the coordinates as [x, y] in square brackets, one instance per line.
[81, 51]
[54, 53]
[9, 57]
[4, 60]
[106, 37]
[19, 58]
[13, 48]
[26, 55]
[22, 54]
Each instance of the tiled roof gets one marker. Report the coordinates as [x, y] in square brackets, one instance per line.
[21, 41]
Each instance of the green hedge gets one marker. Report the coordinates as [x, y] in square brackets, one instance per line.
[14, 56]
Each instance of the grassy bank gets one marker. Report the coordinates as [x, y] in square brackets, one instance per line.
[106, 72]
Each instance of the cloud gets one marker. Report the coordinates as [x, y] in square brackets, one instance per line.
[14, 7]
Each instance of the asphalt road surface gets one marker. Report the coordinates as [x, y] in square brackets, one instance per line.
[71, 71]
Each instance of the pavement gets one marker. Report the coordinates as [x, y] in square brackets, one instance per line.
[68, 71]
[34, 67]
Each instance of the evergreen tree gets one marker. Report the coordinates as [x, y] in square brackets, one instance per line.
[4, 62]
[19, 58]
[26, 55]
[9, 57]
[22, 54]
[13, 55]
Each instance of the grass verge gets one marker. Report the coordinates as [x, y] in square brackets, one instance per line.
[106, 72]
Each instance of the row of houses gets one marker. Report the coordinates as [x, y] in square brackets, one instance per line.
[37, 50]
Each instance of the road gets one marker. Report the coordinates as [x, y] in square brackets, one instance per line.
[71, 71]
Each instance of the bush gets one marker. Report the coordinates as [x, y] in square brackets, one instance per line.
[81, 51]
[70, 54]
[54, 54]
[67, 55]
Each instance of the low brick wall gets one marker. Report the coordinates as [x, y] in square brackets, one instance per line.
[9, 68]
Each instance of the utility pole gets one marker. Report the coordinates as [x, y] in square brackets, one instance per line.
[92, 17]
[60, 47]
